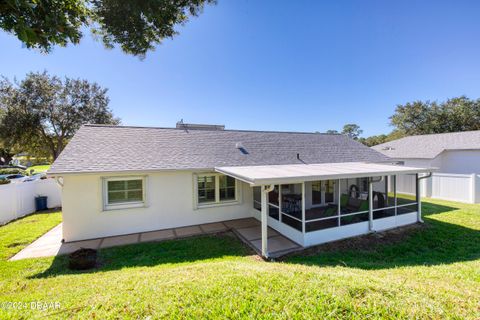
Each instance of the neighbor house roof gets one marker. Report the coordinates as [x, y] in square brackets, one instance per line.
[101, 148]
[430, 145]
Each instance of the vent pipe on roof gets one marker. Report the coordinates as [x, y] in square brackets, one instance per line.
[240, 147]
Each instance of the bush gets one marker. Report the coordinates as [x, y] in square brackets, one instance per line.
[12, 171]
[82, 259]
[4, 181]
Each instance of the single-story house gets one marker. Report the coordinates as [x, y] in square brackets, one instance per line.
[456, 156]
[310, 187]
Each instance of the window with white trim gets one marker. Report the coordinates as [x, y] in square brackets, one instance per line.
[214, 189]
[123, 192]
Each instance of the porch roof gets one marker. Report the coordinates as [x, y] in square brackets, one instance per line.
[295, 173]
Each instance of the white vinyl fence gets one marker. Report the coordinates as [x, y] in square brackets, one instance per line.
[446, 186]
[18, 199]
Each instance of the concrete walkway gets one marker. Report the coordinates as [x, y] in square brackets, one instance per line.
[248, 230]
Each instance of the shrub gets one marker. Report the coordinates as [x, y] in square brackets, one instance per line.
[12, 171]
[4, 181]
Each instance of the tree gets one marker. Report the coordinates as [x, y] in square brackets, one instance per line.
[332, 131]
[352, 130]
[136, 26]
[456, 114]
[42, 112]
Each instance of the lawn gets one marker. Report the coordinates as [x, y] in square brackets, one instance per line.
[434, 272]
[38, 169]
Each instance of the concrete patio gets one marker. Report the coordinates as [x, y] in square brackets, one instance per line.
[248, 230]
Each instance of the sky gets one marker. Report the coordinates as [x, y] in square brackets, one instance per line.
[282, 65]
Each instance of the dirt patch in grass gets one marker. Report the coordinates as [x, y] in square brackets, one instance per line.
[362, 243]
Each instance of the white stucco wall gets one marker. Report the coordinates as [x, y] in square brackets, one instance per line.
[460, 161]
[170, 203]
[456, 178]
[451, 161]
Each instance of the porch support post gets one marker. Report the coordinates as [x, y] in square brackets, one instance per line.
[265, 190]
[395, 193]
[419, 200]
[339, 199]
[370, 204]
[303, 207]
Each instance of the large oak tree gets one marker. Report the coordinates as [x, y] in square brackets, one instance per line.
[137, 26]
[42, 112]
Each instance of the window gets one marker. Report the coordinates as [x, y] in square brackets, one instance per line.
[316, 193]
[329, 191]
[123, 192]
[206, 189]
[213, 189]
[227, 188]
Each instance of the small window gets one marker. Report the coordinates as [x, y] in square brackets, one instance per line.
[213, 189]
[227, 188]
[206, 189]
[316, 192]
[124, 192]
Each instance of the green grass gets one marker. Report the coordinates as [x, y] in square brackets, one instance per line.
[433, 273]
[17, 234]
[38, 169]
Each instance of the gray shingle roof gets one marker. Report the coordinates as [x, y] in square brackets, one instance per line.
[97, 148]
[430, 145]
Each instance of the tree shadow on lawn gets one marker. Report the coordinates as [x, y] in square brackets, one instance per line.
[149, 254]
[433, 243]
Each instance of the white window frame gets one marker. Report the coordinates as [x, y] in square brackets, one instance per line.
[217, 202]
[128, 204]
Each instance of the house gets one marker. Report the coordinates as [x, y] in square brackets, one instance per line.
[456, 155]
[310, 187]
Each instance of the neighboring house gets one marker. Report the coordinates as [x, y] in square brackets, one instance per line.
[456, 155]
[310, 187]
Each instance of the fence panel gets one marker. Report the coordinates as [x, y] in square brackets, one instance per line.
[456, 187]
[406, 183]
[18, 199]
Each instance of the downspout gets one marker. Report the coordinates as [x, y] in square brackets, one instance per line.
[370, 202]
[419, 200]
[59, 181]
[265, 191]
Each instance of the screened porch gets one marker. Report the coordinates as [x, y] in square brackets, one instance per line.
[325, 209]
[313, 204]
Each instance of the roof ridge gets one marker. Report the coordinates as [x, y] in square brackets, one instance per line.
[425, 135]
[225, 130]
[437, 134]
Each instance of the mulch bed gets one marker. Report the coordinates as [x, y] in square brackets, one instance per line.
[363, 243]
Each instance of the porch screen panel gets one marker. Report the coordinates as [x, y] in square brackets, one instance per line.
[406, 197]
[383, 200]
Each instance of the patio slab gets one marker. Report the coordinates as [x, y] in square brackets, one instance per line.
[277, 245]
[157, 235]
[249, 231]
[242, 223]
[188, 231]
[255, 233]
[119, 240]
[66, 248]
[213, 227]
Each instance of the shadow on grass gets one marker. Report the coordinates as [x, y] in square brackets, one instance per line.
[436, 242]
[189, 250]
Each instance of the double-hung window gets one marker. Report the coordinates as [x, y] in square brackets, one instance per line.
[214, 189]
[123, 192]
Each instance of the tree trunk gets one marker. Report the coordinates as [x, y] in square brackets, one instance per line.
[6, 156]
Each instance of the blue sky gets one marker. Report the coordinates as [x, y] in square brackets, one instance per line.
[282, 65]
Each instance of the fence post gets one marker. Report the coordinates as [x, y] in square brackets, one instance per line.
[473, 187]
